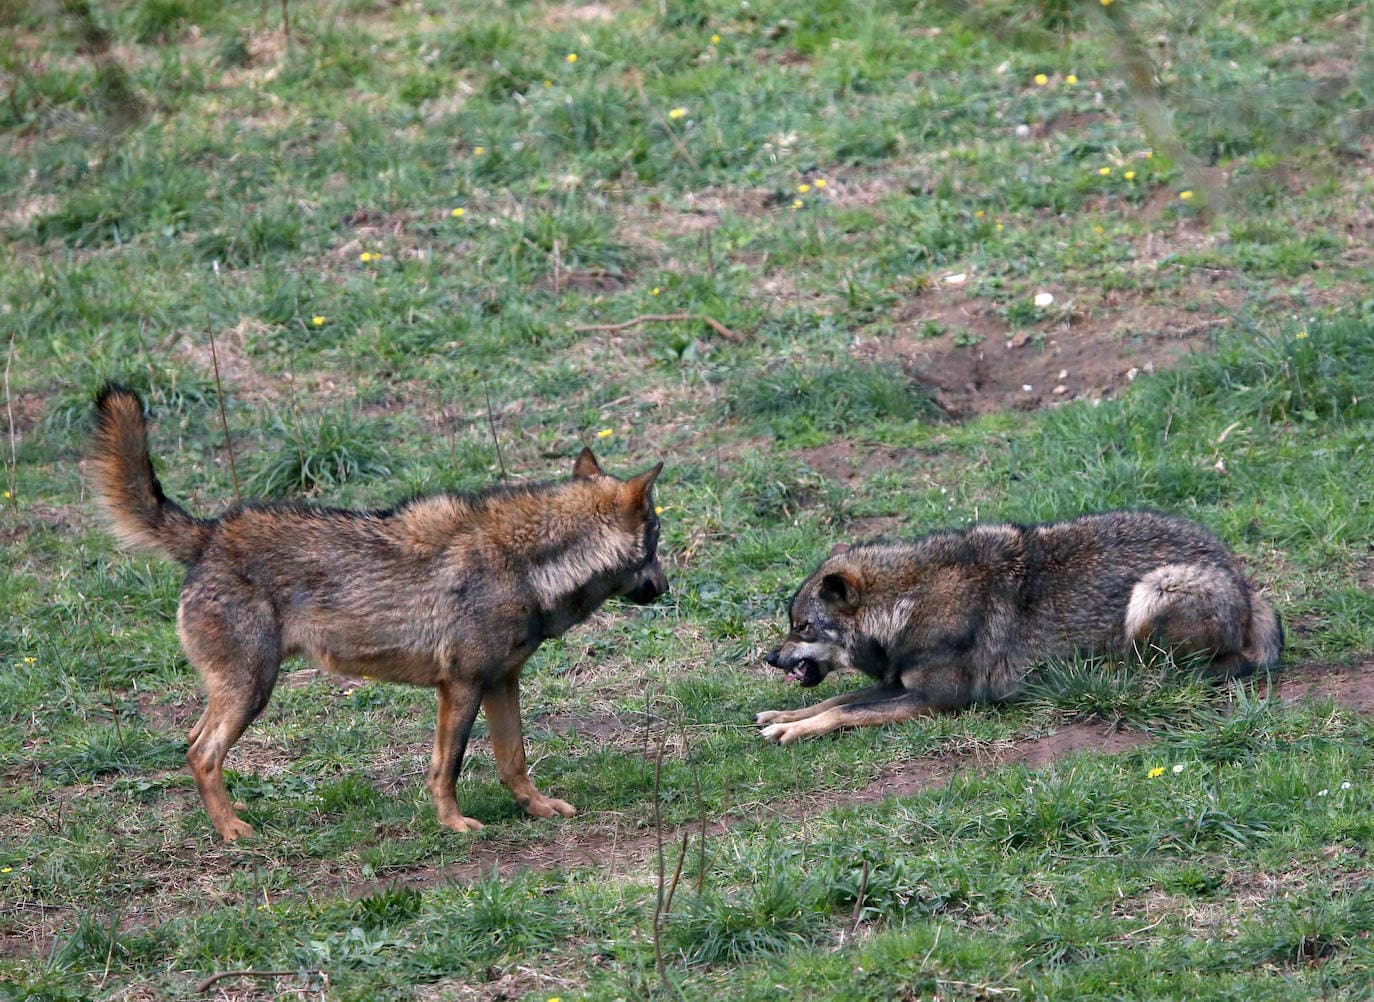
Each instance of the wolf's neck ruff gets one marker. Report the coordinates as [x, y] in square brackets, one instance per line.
[581, 562]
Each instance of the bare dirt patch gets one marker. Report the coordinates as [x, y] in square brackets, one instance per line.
[845, 461]
[978, 364]
[1351, 686]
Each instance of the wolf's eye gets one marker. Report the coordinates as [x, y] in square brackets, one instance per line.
[806, 631]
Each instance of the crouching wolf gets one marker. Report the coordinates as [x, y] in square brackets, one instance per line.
[958, 616]
[453, 591]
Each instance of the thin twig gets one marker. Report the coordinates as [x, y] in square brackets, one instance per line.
[701, 804]
[658, 318]
[491, 424]
[204, 986]
[658, 841]
[13, 470]
[109, 691]
[639, 86]
[859, 901]
[109, 954]
[981, 989]
[677, 873]
[223, 418]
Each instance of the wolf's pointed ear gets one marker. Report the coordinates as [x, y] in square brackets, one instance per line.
[839, 548]
[636, 489]
[840, 591]
[586, 465]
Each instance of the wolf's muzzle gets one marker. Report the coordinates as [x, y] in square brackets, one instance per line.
[651, 586]
[804, 671]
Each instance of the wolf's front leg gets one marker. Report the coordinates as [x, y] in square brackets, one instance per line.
[501, 704]
[857, 695]
[458, 704]
[890, 710]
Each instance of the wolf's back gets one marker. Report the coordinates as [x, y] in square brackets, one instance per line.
[123, 481]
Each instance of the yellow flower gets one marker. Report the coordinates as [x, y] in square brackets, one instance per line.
[819, 182]
[1149, 154]
[1301, 335]
[1129, 175]
[1156, 772]
[998, 227]
[1185, 195]
[1097, 230]
[655, 291]
[366, 256]
[658, 509]
[8, 495]
[677, 113]
[797, 203]
[802, 189]
[548, 83]
[1104, 171]
[979, 214]
[477, 151]
[317, 320]
[1041, 79]
[458, 212]
[605, 433]
[715, 39]
[1071, 79]
[6, 869]
[571, 57]
[555, 998]
[30, 661]
[1106, 3]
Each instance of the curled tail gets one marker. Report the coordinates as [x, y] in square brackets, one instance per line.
[123, 481]
[1263, 641]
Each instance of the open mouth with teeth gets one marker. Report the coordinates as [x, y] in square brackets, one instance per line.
[806, 673]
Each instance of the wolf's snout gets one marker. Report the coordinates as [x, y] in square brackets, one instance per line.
[771, 658]
[651, 586]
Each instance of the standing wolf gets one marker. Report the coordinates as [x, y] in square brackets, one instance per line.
[958, 616]
[453, 591]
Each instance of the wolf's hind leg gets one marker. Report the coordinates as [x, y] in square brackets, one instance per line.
[458, 704]
[238, 657]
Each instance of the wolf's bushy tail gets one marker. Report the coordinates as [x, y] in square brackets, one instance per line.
[123, 481]
[1263, 634]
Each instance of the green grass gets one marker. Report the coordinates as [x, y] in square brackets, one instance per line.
[833, 167]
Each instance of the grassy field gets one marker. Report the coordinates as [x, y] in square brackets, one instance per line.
[404, 233]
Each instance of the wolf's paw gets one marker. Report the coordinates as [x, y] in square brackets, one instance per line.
[235, 829]
[768, 716]
[785, 733]
[547, 807]
[460, 824]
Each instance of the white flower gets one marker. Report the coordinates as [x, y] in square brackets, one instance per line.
[1043, 299]
[1322, 793]
[1178, 767]
[1345, 785]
